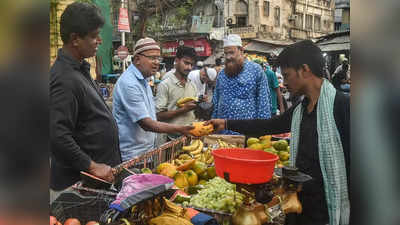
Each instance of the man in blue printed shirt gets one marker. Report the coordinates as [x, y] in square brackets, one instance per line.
[242, 88]
[133, 104]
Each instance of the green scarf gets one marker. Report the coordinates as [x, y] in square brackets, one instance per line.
[331, 156]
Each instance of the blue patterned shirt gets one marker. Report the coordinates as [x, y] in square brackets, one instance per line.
[245, 96]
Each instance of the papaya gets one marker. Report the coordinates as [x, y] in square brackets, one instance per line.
[181, 180]
[201, 130]
[191, 177]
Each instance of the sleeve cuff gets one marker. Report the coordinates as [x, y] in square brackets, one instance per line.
[83, 163]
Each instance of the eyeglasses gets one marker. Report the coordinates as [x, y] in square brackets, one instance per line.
[153, 58]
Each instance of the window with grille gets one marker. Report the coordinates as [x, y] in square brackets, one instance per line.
[266, 8]
[309, 22]
[317, 23]
[277, 16]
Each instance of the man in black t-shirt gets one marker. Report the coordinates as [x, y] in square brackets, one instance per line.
[83, 132]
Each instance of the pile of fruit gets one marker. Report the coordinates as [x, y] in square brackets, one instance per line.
[280, 148]
[190, 168]
[188, 175]
[217, 194]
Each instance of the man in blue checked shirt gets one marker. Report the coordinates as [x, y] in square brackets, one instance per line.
[242, 88]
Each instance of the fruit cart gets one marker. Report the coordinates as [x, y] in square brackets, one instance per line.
[190, 162]
[88, 202]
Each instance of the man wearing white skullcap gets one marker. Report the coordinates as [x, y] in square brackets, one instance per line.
[204, 79]
[133, 105]
[232, 40]
[241, 90]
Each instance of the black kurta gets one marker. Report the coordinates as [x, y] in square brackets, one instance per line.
[82, 128]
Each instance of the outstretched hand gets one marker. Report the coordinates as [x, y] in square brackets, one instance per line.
[185, 130]
[219, 124]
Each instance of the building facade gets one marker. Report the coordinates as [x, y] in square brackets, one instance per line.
[342, 15]
[202, 27]
[277, 21]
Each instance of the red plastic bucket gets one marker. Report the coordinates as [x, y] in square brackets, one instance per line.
[246, 166]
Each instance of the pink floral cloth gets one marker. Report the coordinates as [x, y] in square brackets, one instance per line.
[142, 183]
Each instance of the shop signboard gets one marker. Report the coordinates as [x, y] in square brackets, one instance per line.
[201, 46]
[123, 21]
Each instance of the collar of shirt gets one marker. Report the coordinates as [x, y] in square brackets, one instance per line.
[136, 72]
[84, 67]
[178, 82]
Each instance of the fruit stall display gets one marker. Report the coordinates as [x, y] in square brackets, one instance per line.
[190, 163]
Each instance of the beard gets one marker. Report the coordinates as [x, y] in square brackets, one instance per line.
[233, 68]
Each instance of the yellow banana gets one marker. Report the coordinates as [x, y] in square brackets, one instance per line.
[195, 144]
[222, 144]
[200, 147]
[178, 162]
[208, 155]
[184, 100]
[210, 160]
[197, 156]
[196, 152]
[184, 157]
[170, 206]
[203, 158]
[125, 221]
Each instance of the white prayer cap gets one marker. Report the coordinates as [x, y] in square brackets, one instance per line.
[200, 64]
[211, 73]
[232, 40]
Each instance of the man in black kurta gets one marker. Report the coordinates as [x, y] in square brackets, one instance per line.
[83, 133]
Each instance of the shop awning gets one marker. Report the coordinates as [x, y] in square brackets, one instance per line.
[339, 41]
[266, 46]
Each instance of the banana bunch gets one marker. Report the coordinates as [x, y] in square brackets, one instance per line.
[179, 162]
[223, 144]
[195, 147]
[184, 100]
[172, 208]
[208, 158]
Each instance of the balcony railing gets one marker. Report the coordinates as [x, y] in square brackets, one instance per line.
[244, 32]
[240, 30]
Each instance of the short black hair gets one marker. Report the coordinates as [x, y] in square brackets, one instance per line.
[185, 51]
[80, 18]
[303, 52]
